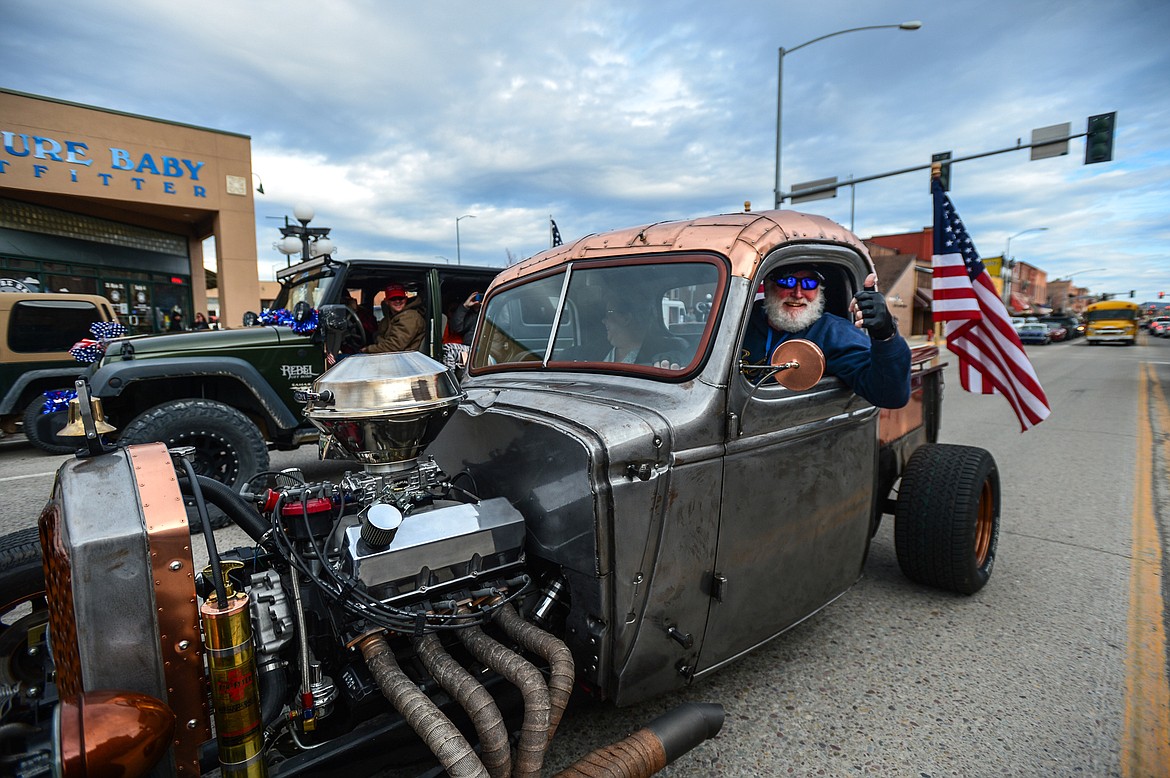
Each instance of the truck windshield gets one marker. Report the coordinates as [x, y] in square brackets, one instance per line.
[308, 287]
[652, 317]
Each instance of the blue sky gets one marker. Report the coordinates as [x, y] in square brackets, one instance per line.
[393, 118]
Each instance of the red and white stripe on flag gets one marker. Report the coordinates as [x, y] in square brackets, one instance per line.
[979, 332]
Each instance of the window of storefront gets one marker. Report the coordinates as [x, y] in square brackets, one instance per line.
[144, 302]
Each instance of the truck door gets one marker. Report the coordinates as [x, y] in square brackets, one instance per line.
[796, 507]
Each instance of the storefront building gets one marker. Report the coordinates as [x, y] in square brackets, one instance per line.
[96, 201]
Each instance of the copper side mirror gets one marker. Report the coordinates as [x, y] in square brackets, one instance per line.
[801, 364]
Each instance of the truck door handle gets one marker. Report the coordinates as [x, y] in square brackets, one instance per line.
[684, 639]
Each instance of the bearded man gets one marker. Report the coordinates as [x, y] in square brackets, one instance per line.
[868, 354]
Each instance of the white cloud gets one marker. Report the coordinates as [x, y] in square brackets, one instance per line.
[394, 118]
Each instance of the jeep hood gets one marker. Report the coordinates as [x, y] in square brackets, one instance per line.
[201, 342]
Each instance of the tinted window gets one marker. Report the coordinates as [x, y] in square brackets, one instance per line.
[39, 326]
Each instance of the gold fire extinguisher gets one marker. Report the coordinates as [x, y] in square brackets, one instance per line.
[235, 697]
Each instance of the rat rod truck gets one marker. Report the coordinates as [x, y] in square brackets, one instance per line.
[556, 523]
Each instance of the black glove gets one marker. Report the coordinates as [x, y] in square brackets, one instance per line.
[875, 316]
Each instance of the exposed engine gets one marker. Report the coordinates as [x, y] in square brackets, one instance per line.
[395, 598]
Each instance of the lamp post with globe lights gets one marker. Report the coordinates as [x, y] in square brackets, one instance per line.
[302, 239]
[913, 25]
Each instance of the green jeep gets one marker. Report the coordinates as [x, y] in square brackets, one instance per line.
[37, 329]
[231, 393]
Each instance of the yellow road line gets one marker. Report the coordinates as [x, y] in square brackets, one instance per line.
[1145, 746]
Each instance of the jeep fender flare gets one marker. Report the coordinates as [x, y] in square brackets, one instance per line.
[113, 379]
[60, 378]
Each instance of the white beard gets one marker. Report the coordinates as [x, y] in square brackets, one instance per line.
[788, 318]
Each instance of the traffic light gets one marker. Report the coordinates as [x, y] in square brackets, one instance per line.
[1161, 295]
[1099, 138]
[1132, 292]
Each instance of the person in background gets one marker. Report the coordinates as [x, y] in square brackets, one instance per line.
[176, 324]
[464, 316]
[403, 326]
[634, 338]
[369, 323]
[200, 322]
[867, 354]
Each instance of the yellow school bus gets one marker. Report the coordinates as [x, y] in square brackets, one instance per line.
[1112, 321]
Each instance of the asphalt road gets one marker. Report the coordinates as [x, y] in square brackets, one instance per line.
[1053, 669]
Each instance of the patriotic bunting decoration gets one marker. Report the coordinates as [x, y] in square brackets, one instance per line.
[283, 317]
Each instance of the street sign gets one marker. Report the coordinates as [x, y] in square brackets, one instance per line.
[825, 195]
[1050, 141]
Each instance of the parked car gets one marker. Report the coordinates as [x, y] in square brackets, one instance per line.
[230, 393]
[1073, 326]
[631, 527]
[1159, 327]
[37, 329]
[1056, 331]
[1035, 333]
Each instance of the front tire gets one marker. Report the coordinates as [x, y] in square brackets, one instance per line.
[42, 429]
[947, 518]
[228, 446]
[24, 613]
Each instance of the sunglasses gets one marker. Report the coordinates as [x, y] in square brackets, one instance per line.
[396, 299]
[789, 282]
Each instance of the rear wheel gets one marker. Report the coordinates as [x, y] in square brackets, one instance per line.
[947, 517]
[42, 429]
[228, 446]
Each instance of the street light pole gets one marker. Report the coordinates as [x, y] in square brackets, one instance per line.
[458, 257]
[1009, 265]
[914, 25]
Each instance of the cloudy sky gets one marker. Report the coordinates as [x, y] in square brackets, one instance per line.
[394, 118]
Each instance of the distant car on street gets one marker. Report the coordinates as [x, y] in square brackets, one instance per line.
[1160, 327]
[1072, 324]
[1056, 331]
[1035, 333]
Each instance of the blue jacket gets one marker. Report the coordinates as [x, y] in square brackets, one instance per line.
[876, 370]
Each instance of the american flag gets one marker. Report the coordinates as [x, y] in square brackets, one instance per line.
[978, 329]
[556, 234]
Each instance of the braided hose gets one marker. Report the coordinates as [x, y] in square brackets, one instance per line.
[653, 747]
[424, 717]
[475, 699]
[525, 675]
[562, 672]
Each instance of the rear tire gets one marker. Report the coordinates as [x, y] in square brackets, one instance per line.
[946, 526]
[228, 446]
[42, 429]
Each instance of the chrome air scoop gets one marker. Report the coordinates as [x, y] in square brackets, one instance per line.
[384, 409]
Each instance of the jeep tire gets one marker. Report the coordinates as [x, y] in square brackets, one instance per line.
[228, 446]
[947, 517]
[41, 429]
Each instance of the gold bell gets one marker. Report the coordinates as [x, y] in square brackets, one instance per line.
[76, 426]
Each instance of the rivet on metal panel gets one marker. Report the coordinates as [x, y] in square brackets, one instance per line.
[184, 645]
[176, 566]
[192, 724]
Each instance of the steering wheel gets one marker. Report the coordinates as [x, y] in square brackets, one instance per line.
[355, 333]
